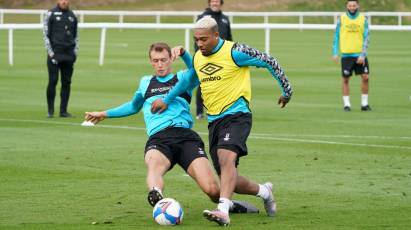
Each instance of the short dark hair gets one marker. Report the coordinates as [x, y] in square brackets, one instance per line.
[159, 47]
[353, 1]
[221, 1]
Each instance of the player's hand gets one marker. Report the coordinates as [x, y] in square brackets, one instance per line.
[361, 60]
[158, 106]
[336, 59]
[176, 52]
[282, 101]
[95, 117]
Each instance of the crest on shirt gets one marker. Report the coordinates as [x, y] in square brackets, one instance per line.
[71, 19]
[224, 21]
[58, 18]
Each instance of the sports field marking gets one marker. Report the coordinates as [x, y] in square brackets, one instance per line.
[252, 136]
[337, 136]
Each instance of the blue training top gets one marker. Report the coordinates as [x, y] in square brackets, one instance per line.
[243, 55]
[152, 88]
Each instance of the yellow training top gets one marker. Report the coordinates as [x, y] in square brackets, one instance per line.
[352, 34]
[222, 81]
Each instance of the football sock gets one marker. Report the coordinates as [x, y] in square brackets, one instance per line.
[224, 205]
[364, 99]
[263, 192]
[346, 100]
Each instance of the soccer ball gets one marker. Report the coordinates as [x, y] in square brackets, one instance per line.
[168, 212]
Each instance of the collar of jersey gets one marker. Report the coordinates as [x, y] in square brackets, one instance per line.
[218, 46]
[166, 78]
[353, 17]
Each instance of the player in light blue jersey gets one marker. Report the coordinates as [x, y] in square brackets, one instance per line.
[171, 140]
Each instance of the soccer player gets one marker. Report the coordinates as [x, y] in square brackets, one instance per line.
[352, 38]
[214, 10]
[171, 140]
[221, 68]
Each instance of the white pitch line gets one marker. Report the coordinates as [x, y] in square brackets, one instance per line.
[253, 136]
[330, 142]
[336, 136]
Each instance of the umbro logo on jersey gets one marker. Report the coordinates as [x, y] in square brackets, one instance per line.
[210, 69]
[210, 78]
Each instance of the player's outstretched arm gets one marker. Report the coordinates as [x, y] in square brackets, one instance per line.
[244, 55]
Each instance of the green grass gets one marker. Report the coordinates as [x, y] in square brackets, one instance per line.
[331, 169]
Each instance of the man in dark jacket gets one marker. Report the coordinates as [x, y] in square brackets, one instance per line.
[61, 41]
[224, 29]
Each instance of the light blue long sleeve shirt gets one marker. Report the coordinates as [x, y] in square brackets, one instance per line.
[177, 115]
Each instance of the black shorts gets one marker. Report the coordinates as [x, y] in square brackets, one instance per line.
[180, 145]
[348, 64]
[231, 133]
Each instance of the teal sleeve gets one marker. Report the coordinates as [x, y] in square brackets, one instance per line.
[336, 44]
[128, 108]
[133, 106]
[366, 41]
[187, 81]
[188, 59]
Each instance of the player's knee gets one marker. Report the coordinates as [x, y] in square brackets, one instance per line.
[213, 192]
[365, 78]
[346, 80]
[227, 159]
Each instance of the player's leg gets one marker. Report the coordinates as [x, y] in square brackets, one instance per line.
[227, 138]
[53, 71]
[157, 165]
[66, 74]
[202, 173]
[364, 71]
[265, 191]
[347, 65]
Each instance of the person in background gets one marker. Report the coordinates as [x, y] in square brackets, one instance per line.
[352, 38]
[61, 42]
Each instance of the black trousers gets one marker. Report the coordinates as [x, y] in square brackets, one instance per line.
[66, 71]
[199, 102]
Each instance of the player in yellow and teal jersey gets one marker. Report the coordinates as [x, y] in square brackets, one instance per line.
[222, 69]
[352, 39]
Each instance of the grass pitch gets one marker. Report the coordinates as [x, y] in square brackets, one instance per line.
[331, 169]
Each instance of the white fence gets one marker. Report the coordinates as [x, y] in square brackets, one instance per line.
[186, 27]
[194, 14]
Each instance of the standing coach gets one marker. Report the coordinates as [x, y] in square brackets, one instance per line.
[61, 41]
